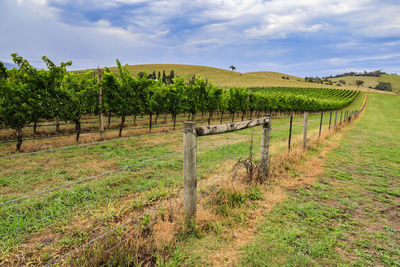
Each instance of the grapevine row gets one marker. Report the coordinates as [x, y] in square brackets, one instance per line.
[28, 95]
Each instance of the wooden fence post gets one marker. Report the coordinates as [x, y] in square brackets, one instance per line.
[320, 125]
[305, 130]
[101, 127]
[189, 168]
[264, 149]
[335, 119]
[290, 131]
[341, 114]
[57, 124]
[330, 120]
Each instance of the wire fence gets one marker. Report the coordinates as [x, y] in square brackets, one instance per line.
[226, 148]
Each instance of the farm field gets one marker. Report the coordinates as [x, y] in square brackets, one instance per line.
[101, 186]
[343, 212]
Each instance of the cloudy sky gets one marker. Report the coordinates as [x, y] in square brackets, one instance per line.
[300, 37]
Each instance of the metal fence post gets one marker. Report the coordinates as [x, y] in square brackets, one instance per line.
[330, 120]
[290, 131]
[189, 168]
[341, 115]
[305, 130]
[264, 149]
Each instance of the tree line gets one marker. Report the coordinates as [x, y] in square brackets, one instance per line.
[28, 95]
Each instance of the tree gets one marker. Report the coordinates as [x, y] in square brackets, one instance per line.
[120, 94]
[164, 77]
[214, 98]
[143, 92]
[233, 103]
[79, 96]
[34, 79]
[384, 86]
[232, 67]
[52, 82]
[359, 83]
[159, 101]
[16, 110]
[175, 98]
[3, 71]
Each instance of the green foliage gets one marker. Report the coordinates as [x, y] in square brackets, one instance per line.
[384, 86]
[359, 83]
[15, 102]
[45, 94]
[3, 71]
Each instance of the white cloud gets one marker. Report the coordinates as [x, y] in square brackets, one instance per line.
[198, 30]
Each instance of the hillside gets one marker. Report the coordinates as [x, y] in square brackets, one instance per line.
[351, 80]
[370, 81]
[393, 79]
[227, 78]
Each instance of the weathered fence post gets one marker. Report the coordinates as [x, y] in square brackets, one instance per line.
[305, 130]
[335, 120]
[264, 149]
[320, 125]
[189, 168]
[101, 127]
[57, 124]
[341, 114]
[290, 131]
[330, 120]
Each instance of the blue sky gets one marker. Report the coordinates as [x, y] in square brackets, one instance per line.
[299, 37]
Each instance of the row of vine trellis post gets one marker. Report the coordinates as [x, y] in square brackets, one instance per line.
[191, 133]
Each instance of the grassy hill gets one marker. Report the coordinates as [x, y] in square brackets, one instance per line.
[393, 79]
[351, 80]
[371, 81]
[227, 78]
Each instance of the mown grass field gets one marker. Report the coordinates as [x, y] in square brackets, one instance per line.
[351, 216]
[146, 170]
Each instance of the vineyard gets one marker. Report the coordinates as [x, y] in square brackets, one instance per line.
[109, 201]
[29, 97]
[82, 204]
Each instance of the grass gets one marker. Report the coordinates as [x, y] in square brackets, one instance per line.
[350, 217]
[44, 226]
[227, 78]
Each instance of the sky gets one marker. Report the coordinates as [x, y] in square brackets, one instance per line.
[298, 37]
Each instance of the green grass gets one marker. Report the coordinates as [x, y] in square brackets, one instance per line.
[350, 217]
[119, 193]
